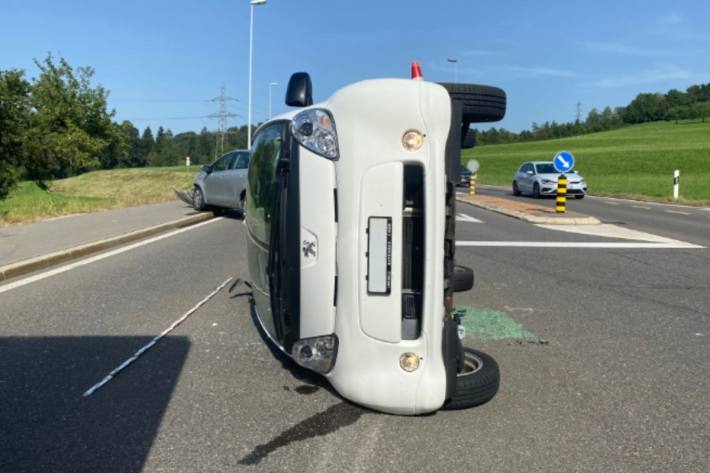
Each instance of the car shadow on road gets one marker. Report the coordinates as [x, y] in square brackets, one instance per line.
[47, 425]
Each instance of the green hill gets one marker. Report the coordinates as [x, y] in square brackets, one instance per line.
[92, 191]
[635, 161]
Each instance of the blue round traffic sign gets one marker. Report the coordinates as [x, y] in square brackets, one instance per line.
[563, 162]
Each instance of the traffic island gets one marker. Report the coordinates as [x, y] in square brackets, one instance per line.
[526, 211]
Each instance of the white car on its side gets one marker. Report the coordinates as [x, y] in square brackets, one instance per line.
[539, 178]
[350, 215]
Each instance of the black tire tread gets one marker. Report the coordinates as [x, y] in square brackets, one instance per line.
[481, 103]
[477, 388]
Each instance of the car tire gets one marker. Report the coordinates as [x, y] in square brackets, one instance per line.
[198, 200]
[477, 384]
[462, 279]
[481, 103]
[516, 189]
[536, 191]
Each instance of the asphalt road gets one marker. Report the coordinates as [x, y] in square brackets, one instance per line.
[673, 221]
[622, 384]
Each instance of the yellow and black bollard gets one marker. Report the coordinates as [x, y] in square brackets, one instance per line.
[472, 185]
[561, 199]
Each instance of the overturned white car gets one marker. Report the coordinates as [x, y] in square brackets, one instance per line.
[351, 239]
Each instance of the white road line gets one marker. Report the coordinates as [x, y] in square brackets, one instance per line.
[99, 257]
[608, 230]
[152, 343]
[467, 218]
[571, 244]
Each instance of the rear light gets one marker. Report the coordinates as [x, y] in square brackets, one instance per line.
[316, 353]
[315, 129]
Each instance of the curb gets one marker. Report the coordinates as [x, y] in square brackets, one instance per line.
[534, 218]
[40, 262]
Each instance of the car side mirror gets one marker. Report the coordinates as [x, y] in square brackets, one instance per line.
[207, 168]
[299, 92]
[469, 140]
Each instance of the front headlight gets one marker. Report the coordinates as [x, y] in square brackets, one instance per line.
[316, 353]
[315, 129]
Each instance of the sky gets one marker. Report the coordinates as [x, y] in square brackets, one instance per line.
[163, 60]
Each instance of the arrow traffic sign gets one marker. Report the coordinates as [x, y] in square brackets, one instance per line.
[563, 162]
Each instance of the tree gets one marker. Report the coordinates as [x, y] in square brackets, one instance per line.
[71, 130]
[134, 155]
[14, 118]
[646, 108]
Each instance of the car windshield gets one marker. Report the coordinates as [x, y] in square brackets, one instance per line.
[260, 188]
[545, 168]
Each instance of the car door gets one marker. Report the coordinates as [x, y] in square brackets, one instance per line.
[236, 177]
[523, 178]
[215, 190]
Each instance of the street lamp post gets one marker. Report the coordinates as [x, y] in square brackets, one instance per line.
[270, 86]
[251, 42]
[455, 62]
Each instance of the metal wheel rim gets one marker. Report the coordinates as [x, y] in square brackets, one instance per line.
[198, 197]
[471, 364]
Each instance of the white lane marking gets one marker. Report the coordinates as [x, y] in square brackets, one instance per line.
[154, 341]
[648, 202]
[571, 244]
[99, 257]
[679, 212]
[607, 230]
[467, 218]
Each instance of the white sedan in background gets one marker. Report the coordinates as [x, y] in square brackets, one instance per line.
[539, 178]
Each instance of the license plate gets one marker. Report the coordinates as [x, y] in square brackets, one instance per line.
[379, 255]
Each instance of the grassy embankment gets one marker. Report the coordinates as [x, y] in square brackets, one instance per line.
[93, 191]
[636, 161]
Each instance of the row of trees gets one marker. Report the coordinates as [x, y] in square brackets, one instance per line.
[59, 125]
[693, 104]
[166, 149]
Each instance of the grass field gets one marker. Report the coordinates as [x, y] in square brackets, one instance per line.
[636, 161]
[93, 191]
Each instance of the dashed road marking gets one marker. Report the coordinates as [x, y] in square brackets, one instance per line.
[641, 207]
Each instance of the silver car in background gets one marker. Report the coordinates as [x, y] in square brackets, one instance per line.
[539, 178]
[222, 183]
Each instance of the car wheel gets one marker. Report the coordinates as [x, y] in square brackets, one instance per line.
[481, 103]
[198, 200]
[536, 190]
[516, 190]
[243, 204]
[477, 383]
[462, 279]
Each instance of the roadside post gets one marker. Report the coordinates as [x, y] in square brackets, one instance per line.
[563, 162]
[473, 166]
[561, 198]
[187, 161]
[676, 183]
